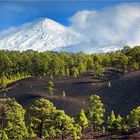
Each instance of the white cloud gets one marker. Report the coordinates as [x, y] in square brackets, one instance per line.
[12, 7]
[109, 28]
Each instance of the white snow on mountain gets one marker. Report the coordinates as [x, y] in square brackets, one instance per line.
[89, 31]
[41, 35]
[45, 34]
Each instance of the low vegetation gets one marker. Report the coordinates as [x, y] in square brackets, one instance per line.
[45, 121]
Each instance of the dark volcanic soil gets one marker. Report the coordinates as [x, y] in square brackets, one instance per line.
[122, 96]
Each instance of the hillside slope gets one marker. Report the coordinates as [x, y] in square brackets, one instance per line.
[122, 96]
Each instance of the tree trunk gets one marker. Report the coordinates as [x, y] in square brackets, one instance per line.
[40, 130]
[62, 138]
[94, 127]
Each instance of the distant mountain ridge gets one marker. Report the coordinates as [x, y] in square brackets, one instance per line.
[40, 35]
[45, 34]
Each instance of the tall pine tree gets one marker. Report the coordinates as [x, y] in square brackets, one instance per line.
[95, 112]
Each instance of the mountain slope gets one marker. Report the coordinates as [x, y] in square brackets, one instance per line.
[41, 35]
[122, 96]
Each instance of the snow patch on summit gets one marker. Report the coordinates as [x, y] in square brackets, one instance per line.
[40, 35]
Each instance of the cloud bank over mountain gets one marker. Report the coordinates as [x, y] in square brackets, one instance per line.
[109, 28]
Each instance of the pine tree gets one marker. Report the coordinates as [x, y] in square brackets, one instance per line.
[111, 118]
[47, 122]
[75, 71]
[3, 82]
[126, 124]
[41, 117]
[51, 78]
[119, 118]
[31, 133]
[81, 119]
[67, 72]
[95, 112]
[3, 135]
[64, 125]
[134, 117]
[117, 124]
[63, 94]
[81, 67]
[50, 87]
[12, 114]
[76, 134]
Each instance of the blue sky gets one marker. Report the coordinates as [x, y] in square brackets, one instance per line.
[104, 25]
[15, 13]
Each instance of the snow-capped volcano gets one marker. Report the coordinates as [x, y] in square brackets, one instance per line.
[41, 35]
